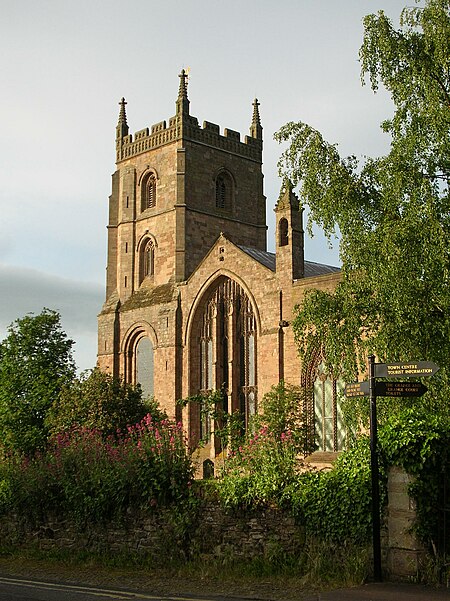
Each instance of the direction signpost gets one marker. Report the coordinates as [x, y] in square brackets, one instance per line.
[372, 389]
[411, 369]
[357, 389]
[400, 389]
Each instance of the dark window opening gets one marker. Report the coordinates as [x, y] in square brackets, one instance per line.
[283, 231]
[224, 192]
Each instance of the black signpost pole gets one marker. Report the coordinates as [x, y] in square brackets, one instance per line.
[375, 473]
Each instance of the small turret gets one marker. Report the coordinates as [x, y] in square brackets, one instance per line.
[122, 125]
[255, 127]
[290, 235]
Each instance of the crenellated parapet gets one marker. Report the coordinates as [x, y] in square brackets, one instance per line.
[187, 129]
[183, 126]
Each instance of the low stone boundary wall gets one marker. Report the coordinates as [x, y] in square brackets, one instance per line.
[211, 532]
[165, 534]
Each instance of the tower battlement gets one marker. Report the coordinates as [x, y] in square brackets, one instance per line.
[187, 129]
[183, 126]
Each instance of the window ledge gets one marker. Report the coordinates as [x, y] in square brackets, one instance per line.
[322, 459]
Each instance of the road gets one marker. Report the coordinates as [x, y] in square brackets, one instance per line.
[21, 589]
[17, 589]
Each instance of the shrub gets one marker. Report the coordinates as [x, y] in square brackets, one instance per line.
[90, 478]
[97, 400]
[335, 505]
[282, 412]
[258, 472]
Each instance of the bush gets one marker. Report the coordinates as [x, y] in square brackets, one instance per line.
[90, 478]
[282, 413]
[97, 400]
[335, 505]
[258, 472]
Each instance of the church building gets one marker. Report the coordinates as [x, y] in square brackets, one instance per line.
[194, 301]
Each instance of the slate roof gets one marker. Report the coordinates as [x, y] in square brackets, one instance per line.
[262, 256]
[313, 269]
[268, 259]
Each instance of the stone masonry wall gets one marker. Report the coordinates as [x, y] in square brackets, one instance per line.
[212, 533]
[404, 552]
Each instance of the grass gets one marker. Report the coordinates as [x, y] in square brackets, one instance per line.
[276, 577]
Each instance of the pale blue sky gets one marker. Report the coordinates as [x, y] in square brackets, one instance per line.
[64, 65]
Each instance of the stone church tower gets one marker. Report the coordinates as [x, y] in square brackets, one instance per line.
[176, 188]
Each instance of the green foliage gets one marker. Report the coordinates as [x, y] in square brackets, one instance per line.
[258, 472]
[98, 401]
[263, 463]
[35, 363]
[267, 470]
[392, 213]
[281, 412]
[335, 505]
[393, 216]
[82, 475]
[228, 427]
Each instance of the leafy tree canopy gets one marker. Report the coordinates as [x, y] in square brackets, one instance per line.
[98, 401]
[35, 361]
[392, 212]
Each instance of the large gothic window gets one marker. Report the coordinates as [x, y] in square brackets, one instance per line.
[323, 407]
[227, 351]
[148, 191]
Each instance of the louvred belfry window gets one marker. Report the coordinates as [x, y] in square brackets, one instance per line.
[149, 192]
[224, 191]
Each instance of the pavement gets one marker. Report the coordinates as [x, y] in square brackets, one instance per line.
[384, 591]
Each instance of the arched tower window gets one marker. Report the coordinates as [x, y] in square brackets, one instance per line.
[227, 340]
[146, 259]
[283, 232]
[326, 428]
[148, 188]
[224, 191]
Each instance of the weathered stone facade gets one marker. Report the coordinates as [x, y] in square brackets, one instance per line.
[188, 270]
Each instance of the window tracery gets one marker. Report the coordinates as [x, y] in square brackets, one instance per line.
[326, 429]
[228, 351]
[146, 259]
